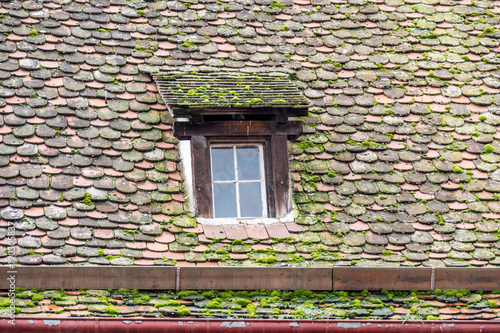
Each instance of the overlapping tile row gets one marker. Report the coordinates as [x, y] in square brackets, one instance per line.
[300, 304]
[89, 166]
[192, 92]
[397, 164]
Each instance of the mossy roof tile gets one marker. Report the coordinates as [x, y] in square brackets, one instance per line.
[194, 93]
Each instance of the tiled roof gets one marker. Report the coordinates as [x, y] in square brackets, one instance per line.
[397, 166]
[191, 93]
[300, 304]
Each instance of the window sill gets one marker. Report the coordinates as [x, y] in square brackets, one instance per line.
[245, 221]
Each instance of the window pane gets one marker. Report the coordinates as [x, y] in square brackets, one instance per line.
[248, 163]
[250, 199]
[223, 163]
[225, 200]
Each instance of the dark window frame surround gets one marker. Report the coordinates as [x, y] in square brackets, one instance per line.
[273, 135]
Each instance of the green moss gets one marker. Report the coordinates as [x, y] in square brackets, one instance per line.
[87, 199]
[430, 36]
[5, 303]
[243, 302]
[33, 33]
[489, 30]
[269, 260]
[488, 148]
[130, 232]
[185, 293]
[492, 304]
[430, 317]
[214, 304]
[369, 144]
[457, 169]
[183, 311]
[305, 144]
[332, 173]
[111, 310]
[450, 292]
[276, 4]
[295, 259]
[187, 44]
[208, 294]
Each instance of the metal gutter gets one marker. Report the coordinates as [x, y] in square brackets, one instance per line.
[148, 325]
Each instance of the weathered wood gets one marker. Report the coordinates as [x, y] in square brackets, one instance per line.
[269, 177]
[92, 277]
[467, 278]
[202, 178]
[281, 175]
[252, 278]
[184, 130]
[361, 278]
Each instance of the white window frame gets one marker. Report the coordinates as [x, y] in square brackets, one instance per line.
[262, 180]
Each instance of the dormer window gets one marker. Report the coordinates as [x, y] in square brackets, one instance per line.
[238, 127]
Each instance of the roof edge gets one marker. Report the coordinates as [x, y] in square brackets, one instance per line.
[144, 325]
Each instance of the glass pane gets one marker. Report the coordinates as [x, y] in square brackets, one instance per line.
[250, 200]
[222, 163]
[225, 200]
[248, 163]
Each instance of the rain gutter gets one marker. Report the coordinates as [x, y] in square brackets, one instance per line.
[154, 325]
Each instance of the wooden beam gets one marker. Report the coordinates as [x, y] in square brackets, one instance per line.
[244, 128]
[202, 177]
[253, 278]
[389, 278]
[468, 278]
[281, 175]
[250, 278]
[91, 277]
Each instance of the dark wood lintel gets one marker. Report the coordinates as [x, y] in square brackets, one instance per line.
[184, 130]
